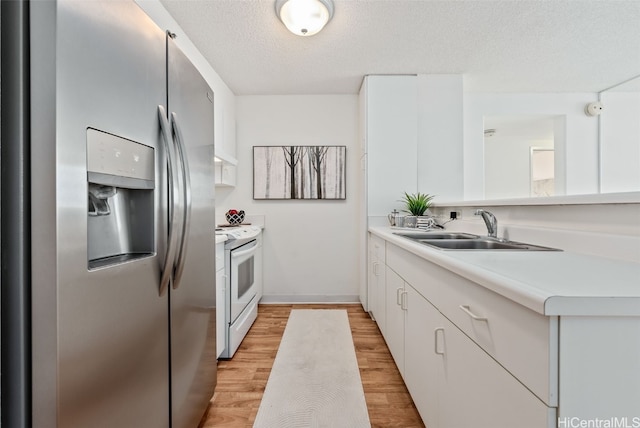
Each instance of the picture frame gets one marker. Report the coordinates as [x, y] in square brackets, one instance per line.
[299, 172]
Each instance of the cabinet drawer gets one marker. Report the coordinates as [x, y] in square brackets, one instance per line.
[475, 391]
[412, 269]
[376, 248]
[522, 341]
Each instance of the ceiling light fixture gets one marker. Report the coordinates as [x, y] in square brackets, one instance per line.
[304, 17]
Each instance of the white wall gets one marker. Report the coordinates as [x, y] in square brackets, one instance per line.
[310, 247]
[620, 136]
[579, 153]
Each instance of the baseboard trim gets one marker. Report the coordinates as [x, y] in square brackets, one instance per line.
[309, 298]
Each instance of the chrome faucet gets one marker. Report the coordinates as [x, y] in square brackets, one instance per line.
[491, 222]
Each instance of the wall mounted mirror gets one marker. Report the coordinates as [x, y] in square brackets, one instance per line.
[522, 147]
[592, 154]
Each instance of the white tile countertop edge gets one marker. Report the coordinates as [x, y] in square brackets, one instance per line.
[548, 282]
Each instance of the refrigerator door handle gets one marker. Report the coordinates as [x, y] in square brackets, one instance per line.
[174, 191]
[186, 220]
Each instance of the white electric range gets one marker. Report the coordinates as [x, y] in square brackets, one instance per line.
[243, 282]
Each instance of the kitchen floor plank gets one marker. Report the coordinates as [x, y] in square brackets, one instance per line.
[242, 380]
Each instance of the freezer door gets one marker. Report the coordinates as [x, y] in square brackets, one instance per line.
[100, 330]
[193, 291]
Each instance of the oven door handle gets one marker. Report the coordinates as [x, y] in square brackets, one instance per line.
[252, 247]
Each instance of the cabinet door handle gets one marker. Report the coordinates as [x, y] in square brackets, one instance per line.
[466, 310]
[403, 300]
[436, 347]
[399, 296]
[375, 268]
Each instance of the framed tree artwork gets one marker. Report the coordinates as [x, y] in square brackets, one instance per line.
[299, 172]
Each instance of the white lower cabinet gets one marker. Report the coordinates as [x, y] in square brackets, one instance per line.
[453, 380]
[221, 331]
[421, 359]
[376, 281]
[475, 391]
[395, 317]
[473, 358]
[454, 383]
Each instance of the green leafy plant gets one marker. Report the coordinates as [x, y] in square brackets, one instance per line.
[417, 203]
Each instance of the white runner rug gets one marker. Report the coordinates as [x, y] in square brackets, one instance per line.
[315, 380]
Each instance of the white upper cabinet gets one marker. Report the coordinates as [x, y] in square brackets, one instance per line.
[389, 140]
[440, 136]
[411, 138]
[411, 130]
[225, 162]
[225, 174]
[388, 144]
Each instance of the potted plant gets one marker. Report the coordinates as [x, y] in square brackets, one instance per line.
[417, 203]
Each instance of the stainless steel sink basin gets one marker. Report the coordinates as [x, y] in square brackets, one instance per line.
[485, 244]
[419, 236]
[467, 241]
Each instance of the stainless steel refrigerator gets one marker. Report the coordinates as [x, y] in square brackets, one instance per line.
[108, 265]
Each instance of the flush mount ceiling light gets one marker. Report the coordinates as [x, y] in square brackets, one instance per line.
[304, 17]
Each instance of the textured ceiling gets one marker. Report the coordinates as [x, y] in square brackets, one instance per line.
[499, 46]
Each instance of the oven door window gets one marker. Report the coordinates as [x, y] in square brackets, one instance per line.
[245, 277]
[242, 278]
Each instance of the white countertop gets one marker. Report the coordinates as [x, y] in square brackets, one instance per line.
[221, 236]
[548, 282]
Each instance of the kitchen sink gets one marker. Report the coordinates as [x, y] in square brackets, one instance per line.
[467, 241]
[485, 244]
[419, 236]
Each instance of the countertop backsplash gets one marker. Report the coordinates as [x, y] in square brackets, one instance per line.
[611, 230]
[606, 230]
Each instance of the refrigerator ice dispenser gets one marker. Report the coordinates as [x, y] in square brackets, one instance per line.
[120, 199]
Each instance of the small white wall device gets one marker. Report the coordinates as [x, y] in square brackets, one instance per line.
[593, 109]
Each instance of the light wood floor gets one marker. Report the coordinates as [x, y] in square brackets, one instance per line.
[242, 380]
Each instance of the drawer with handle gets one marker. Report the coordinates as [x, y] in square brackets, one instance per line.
[521, 340]
[524, 342]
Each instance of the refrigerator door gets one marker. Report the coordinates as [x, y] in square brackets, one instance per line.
[193, 293]
[100, 336]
